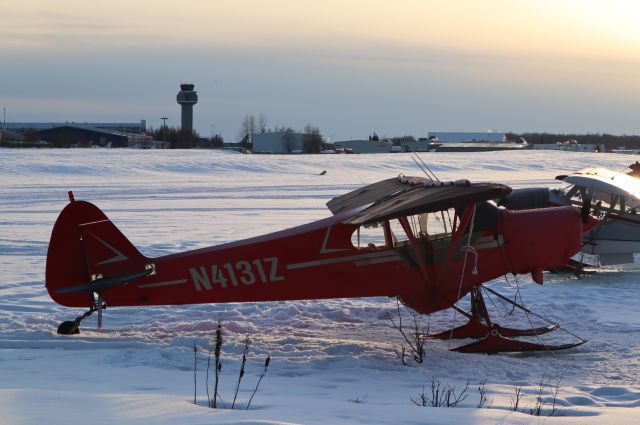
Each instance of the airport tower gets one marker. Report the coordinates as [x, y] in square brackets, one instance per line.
[187, 97]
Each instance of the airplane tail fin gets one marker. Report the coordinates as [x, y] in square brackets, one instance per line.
[87, 253]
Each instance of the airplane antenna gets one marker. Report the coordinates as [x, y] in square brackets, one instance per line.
[423, 170]
[427, 167]
[620, 172]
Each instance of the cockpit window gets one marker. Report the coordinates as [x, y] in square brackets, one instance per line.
[369, 236]
[429, 226]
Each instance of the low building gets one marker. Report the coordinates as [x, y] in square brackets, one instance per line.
[278, 142]
[461, 137]
[66, 136]
[421, 145]
[383, 146]
[572, 147]
[365, 146]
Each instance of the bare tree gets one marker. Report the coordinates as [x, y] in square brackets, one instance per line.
[195, 367]
[484, 401]
[555, 389]
[397, 141]
[538, 402]
[515, 399]
[264, 372]
[441, 395]
[283, 129]
[247, 129]
[312, 139]
[262, 123]
[541, 400]
[218, 362]
[289, 140]
[178, 138]
[416, 340]
[245, 351]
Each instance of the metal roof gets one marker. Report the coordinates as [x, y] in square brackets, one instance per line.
[93, 129]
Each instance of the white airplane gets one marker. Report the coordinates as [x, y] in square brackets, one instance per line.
[612, 196]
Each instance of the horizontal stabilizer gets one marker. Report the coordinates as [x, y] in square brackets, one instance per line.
[103, 284]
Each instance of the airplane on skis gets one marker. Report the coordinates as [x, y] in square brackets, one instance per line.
[427, 242]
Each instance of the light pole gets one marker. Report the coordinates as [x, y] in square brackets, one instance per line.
[164, 128]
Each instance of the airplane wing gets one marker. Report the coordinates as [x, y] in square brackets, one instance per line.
[604, 180]
[403, 196]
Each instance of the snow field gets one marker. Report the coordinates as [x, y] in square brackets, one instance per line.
[325, 354]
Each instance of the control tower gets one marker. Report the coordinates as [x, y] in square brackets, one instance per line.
[187, 97]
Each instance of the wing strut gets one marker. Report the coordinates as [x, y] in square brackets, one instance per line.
[418, 250]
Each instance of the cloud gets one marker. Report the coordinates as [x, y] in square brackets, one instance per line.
[348, 67]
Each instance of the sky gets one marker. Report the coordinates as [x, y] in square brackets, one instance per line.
[403, 67]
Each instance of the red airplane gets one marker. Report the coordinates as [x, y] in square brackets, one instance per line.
[429, 243]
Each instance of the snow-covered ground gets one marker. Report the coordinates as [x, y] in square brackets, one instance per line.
[332, 361]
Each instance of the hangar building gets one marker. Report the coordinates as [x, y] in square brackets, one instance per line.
[278, 142]
[69, 135]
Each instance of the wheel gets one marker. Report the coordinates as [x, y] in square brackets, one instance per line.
[70, 327]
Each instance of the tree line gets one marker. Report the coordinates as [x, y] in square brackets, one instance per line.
[312, 141]
[184, 139]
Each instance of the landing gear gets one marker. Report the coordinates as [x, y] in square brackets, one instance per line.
[95, 286]
[494, 338]
[72, 327]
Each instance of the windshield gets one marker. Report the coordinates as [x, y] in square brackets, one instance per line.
[602, 202]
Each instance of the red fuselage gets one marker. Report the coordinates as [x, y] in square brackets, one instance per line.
[313, 261]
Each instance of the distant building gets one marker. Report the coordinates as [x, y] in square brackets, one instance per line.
[383, 146]
[365, 146]
[24, 127]
[70, 135]
[421, 145]
[573, 147]
[278, 142]
[461, 137]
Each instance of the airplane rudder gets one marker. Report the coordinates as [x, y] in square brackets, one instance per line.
[85, 244]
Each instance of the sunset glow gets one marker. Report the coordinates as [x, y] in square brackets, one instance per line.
[547, 52]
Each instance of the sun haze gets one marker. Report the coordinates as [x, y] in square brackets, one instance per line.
[349, 67]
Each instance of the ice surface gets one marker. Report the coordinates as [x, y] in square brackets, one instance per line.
[333, 361]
